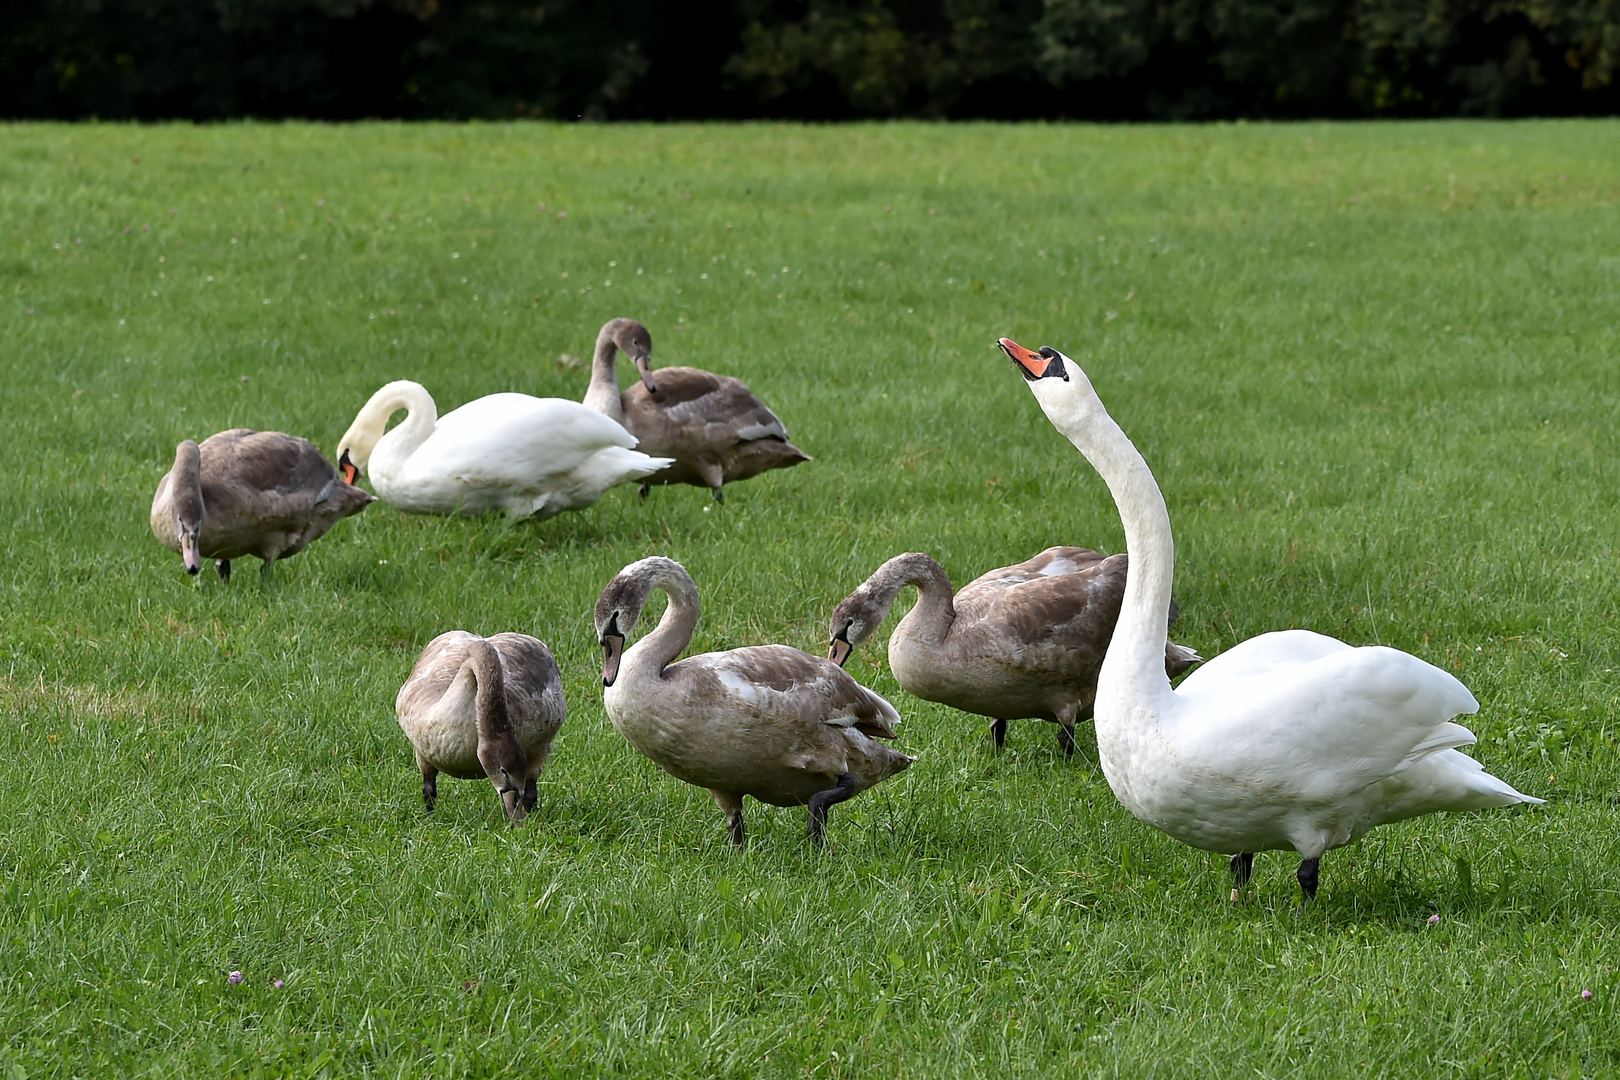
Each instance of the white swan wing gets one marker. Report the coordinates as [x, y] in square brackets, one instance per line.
[1260, 657]
[515, 438]
[1324, 729]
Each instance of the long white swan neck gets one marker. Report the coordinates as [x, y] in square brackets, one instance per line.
[1134, 665]
[935, 610]
[603, 394]
[674, 631]
[385, 452]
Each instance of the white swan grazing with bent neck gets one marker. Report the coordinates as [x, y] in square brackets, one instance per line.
[526, 455]
[1290, 740]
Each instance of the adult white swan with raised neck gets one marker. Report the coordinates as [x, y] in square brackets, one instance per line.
[526, 455]
[1288, 741]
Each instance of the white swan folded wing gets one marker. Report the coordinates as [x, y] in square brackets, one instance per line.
[507, 439]
[1325, 726]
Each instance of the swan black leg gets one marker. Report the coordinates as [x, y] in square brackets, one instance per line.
[264, 569]
[430, 786]
[1066, 740]
[1242, 866]
[531, 796]
[1066, 716]
[224, 568]
[821, 800]
[998, 732]
[719, 497]
[731, 804]
[1307, 878]
[642, 491]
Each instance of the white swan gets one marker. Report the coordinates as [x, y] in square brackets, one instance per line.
[1290, 740]
[526, 455]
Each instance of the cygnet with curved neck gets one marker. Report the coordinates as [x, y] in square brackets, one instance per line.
[244, 492]
[1024, 641]
[483, 707]
[769, 721]
[713, 426]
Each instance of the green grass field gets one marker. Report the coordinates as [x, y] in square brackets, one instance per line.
[1374, 368]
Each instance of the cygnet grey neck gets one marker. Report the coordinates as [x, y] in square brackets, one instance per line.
[493, 718]
[935, 610]
[674, 631]
[185, 484]
[603, 394]
[498, 747]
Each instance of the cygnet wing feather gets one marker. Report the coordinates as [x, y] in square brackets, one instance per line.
[698, 412]
[691, 396]
[1053, 562]
[770, 678]
[1053, 613]
[268, 494]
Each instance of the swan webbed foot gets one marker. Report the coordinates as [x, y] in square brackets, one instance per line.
[1242, 866]
[223, 567]
[821, 800]
[998, 732]
[1307, 877]
[430, 788]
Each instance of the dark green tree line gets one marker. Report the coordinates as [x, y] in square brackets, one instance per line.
[810, 59]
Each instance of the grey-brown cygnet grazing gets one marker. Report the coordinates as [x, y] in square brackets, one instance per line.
[712, 425]
[769, 721]
[1024, 641]
[246, 492]
[483, 708]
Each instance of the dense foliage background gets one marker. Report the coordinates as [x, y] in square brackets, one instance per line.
[809, 59]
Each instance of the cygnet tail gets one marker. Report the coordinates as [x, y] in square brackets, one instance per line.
[1178, 658]
[871, 762]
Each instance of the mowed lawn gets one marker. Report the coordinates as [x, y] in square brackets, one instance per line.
[1374, 368]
